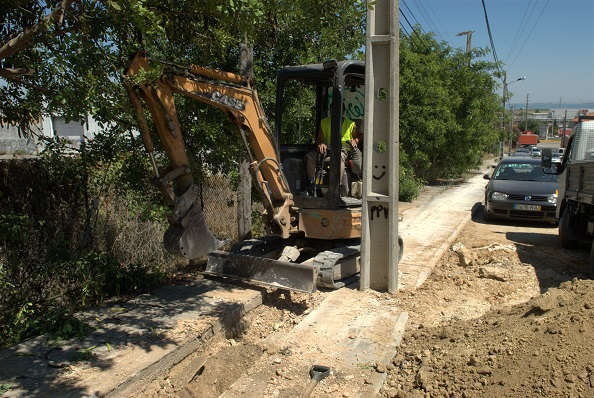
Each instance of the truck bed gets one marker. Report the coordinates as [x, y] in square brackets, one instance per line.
[580, 182]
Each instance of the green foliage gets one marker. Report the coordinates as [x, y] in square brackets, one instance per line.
[68, 238]
[78, 65]
[448, 106]
[32, 320]
[533, 125]
[409, 186]
[5, 388]
[13, 229]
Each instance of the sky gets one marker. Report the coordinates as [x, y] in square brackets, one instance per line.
[550, 42]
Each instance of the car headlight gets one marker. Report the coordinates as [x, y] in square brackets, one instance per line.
[553, 198]
[498, 196]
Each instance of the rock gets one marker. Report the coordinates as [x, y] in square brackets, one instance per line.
[466, 256]
[554, 329]
[492, 273]
[544, 303]
[422, 378]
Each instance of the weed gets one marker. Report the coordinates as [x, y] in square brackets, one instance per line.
[5, 388]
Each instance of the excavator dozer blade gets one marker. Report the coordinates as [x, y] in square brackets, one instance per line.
[193, 241]
[263, 271]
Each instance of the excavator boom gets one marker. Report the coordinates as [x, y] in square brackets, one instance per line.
[188, 234]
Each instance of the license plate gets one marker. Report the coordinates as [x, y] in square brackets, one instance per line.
[527, 207]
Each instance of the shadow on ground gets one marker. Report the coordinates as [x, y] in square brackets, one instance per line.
[538, 245]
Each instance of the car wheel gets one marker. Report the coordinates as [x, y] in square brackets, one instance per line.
[486, 216]
[565, 232]
[592, 261]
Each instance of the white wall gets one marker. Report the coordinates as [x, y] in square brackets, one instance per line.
[11, 143]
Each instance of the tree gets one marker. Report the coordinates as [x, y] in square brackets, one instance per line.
[71, 54]
[447, 108]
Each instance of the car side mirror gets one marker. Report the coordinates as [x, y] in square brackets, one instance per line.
[487, 177]
[546, 162]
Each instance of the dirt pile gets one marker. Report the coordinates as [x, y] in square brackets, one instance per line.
[540, 348]
[508, 313]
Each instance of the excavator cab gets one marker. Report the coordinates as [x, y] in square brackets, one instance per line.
[304, 96]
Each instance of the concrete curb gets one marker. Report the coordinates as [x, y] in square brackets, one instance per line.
[167, 362]
[426, 271]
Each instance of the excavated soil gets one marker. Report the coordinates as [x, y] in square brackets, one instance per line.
[506, 313]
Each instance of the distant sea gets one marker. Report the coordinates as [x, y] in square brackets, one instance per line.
[556, 105]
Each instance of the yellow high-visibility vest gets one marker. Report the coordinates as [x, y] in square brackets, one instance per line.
[348, 126]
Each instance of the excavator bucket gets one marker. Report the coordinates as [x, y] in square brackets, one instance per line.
[262, 271]
[192, 241]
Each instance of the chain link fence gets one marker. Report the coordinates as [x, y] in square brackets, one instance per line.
[219, 202]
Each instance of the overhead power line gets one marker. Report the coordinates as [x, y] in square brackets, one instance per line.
[411, 13]
[439, 22]
[414, 31]
[520, 30]
[530, 34]
[489, 32]
[428, 18]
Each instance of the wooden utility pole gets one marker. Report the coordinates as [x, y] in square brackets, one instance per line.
[468, 34]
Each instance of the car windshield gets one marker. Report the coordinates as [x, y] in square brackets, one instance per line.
[521, 171]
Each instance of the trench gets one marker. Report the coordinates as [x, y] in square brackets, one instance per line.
[209, 374]
[229, 355]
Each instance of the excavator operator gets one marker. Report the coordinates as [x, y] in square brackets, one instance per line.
[350, 152]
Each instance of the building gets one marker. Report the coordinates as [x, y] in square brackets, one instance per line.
[51, 126]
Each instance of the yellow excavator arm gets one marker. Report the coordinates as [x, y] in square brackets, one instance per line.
[188, 234]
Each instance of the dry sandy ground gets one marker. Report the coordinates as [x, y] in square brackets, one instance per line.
[507, 313]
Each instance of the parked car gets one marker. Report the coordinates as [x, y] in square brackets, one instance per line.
[519, 189]
[522, 151]
[561, 153]
[536, 153]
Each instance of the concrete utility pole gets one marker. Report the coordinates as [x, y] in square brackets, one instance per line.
[564, 127]
[380, 247]
[526, 114]
[511, 131]
[244, 188]
[501, 144]
[504, 95]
